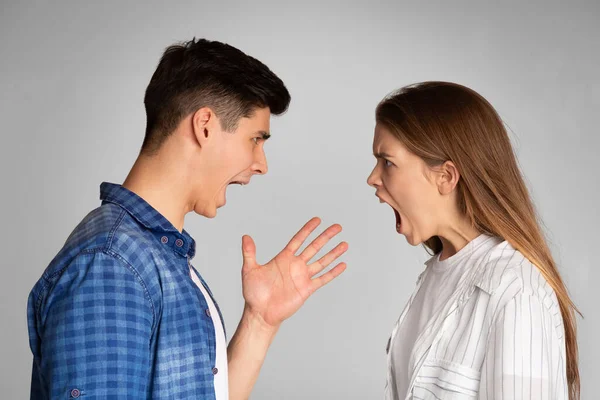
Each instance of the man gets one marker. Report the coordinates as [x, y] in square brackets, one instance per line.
[120, 312]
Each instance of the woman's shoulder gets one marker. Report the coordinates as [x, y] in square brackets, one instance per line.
[507, 273]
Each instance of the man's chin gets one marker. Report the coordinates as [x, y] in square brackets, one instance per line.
[208, 212]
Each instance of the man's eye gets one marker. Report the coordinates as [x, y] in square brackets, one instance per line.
[388, 163]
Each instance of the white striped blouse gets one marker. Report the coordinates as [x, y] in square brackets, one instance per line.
[499, 336]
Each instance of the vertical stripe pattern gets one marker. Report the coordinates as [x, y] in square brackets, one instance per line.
[499, 336]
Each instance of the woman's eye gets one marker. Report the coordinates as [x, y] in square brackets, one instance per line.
[256, 140]
[388, 163]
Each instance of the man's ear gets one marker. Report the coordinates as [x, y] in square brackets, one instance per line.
[204, 122]
[448, 177]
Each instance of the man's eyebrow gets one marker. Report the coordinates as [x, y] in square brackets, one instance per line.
[265, 135]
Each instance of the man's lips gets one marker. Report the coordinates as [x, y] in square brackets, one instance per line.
[398, 218]
[241, 182]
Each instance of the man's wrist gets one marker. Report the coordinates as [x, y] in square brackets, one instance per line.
[255, 322]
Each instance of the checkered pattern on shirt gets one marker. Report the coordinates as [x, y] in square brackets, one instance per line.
[116, 313]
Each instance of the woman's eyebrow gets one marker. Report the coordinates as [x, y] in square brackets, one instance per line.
[382, 154]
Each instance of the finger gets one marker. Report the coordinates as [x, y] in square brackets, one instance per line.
[302, 234]
[248, 252]
[327, 259]
[327, 277]
[317, 244]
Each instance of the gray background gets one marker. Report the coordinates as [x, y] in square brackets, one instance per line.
[72, 78]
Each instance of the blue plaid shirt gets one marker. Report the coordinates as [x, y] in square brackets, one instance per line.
[116, 313]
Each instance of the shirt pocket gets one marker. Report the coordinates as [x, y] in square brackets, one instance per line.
[446, 380]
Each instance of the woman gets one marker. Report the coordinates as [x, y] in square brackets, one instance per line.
[491, 317]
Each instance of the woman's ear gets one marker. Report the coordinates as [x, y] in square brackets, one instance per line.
[448, 177]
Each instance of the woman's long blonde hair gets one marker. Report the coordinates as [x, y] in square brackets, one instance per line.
[441, 121]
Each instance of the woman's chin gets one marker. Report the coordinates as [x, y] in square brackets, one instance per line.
[411, 239]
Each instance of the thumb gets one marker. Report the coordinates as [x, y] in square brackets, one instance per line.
[248, 251]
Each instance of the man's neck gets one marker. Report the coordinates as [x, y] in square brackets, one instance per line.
[151, 179]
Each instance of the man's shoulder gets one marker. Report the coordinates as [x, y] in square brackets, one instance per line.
[109, 230]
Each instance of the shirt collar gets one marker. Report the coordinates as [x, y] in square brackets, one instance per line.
[148, 217]
[484, 276]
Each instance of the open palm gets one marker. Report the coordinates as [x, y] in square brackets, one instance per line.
[278, 289]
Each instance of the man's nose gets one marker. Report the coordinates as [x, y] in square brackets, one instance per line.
[260, 166]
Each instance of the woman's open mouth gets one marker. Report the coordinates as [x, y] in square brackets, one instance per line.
[396, 213]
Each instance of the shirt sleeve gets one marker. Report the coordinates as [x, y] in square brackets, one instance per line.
[95, 331]
[523, 359]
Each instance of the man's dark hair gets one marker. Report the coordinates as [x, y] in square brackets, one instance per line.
[202, 73]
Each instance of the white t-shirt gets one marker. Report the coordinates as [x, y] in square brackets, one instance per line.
[438, 284]
[221, 377]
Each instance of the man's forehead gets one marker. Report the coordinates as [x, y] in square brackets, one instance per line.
[256, 123]
[261, 116]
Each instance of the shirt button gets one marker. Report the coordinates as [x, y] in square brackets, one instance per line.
[215, 371]
[164, 240]
[207, 311]
[179, 243]
[75, 393]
